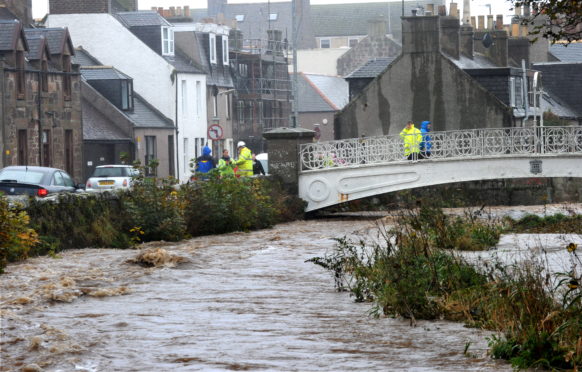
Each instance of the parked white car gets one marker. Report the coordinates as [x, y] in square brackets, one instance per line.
[111, 177]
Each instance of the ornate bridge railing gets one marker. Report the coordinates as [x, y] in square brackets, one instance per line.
[477, 143]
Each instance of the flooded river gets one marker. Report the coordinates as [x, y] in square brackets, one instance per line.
[241, 301]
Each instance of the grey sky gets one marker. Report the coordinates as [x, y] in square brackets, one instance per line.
[478, 7]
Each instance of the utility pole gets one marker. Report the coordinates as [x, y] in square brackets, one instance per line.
[294, 39]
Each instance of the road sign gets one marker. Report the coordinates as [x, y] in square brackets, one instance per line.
[215, 132]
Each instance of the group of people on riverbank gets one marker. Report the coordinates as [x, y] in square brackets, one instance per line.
[246, 165]
[417, 143]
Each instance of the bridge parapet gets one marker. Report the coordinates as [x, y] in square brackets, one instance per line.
[458, 144]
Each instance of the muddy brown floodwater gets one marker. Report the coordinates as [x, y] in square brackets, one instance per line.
[242, 301]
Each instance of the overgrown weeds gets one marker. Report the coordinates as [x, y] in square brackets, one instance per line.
[416, 273]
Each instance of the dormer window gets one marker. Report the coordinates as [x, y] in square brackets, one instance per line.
[126, 95]
[239, 17]
[224, 50]
[212, 47]
[167, 41]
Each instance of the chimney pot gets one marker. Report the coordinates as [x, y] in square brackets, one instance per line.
[474, 22]
[490, 22]
[186, 11]
[499, 22]
[517, 10]
[454, 10]
[442, 10]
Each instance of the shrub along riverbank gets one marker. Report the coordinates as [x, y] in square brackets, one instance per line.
[155, 209]
[417, 272]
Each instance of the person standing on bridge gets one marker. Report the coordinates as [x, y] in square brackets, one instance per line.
[412, 139]
[426, 144]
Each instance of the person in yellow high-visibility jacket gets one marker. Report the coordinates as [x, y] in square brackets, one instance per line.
[244, 162]
[412, 139]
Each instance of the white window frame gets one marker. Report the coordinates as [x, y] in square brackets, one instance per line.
[184, 97]
[212, 47]
[352, 38]
[167, 43]
[273, 16]
[225, 50]
[186, 157]
[198, 98]
[239, 17]
[321, 43]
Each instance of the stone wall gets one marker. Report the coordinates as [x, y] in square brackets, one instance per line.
[55, 114]
[79, 6]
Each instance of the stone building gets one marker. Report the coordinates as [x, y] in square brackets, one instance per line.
[40, 99]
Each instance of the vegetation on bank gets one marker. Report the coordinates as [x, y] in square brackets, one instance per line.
[155, 209]
[416, 272]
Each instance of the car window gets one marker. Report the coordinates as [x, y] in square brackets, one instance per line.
[21, 175]
[58, 179]
[68, 180]
[109, 172]
[132, 172]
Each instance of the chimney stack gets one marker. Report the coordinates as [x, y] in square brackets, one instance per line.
[450, 43]
[377, 28]
[420, 34]
[466, 43]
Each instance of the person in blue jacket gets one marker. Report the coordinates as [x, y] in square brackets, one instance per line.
[205, 162]
[426, 144]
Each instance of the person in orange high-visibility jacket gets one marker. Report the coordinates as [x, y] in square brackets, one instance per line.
[244, 162]
[412, 139]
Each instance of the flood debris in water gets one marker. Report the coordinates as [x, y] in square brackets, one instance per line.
[157, 257]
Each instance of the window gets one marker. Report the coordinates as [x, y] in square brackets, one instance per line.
[67, 76]
[224, 50]
[20, 75]
[69, 151]
[67, 181]
[46, 148]
[198, 98]
[184, 98]
[186, 157]
[171, 154]
[44, 75]
[352, 42]
[212, 47]
[22, 147]
[273, 17]
[241, 112]
[167, 41]
[243, 69]
[512, 92]
[58, 179]
[126, 95]
[324, 43]
[239, 17]
[150, 154]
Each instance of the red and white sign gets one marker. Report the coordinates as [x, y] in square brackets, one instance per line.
[215, 132]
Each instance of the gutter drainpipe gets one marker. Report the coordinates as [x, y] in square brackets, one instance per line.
[176, 142]
[525, 90]
[3, 114]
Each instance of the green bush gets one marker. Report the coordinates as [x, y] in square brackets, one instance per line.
[558, 223]
[16, 237]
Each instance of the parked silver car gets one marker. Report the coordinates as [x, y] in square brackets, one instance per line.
[111, 177]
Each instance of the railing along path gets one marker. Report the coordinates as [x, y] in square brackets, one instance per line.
[477, 143]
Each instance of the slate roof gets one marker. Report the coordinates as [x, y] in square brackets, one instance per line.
[571, 53]
[83, 58]
[97, 126]
[103, 73]
[478, 61]
[142, 18]
[256, 18]
[36, 45]
[352, 19]
[56, 37]
[8, 34]
[321, 93]
[217, 74]
[145, 115]
[372, 68]
[183, 64]
[564, 81]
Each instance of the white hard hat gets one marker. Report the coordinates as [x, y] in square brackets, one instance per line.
[240, 144]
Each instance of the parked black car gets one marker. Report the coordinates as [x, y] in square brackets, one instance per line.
[35, 181]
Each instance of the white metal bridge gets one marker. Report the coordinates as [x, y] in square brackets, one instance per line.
[337, 171]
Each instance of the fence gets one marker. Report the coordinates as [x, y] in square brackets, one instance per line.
[476, 143]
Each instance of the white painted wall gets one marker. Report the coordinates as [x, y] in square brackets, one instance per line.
[112, 44]
[318, 61]
[192, 118]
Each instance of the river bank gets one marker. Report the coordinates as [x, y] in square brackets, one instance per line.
[241, 301]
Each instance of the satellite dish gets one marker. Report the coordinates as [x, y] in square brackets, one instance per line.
[487, 40]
